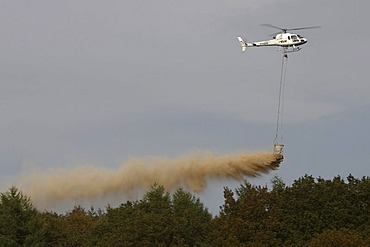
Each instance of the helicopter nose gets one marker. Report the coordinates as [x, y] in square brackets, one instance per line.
[304, 40]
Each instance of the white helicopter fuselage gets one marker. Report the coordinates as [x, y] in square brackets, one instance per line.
[286, 40]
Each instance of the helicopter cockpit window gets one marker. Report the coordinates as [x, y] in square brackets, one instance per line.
[294, 37]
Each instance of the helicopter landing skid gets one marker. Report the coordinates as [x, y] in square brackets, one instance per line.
[289, 49]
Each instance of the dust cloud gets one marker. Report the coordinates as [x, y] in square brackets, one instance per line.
[190, 172]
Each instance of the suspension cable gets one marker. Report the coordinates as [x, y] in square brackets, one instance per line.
[280, 110]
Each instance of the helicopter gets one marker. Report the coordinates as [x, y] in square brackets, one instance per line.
[289, 42]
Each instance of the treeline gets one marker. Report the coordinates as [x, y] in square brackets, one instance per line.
[310, 212]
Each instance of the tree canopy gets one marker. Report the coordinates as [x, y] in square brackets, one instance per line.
[310, 212]
[20, 223]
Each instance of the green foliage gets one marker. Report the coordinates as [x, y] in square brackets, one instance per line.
[55, 229]
[78, 227]
[192, 222]
[75, 228]
[20, 224]
[156, 217]
[311, 207]
[278, 184]
[156, 220]
[249, 220]
[338, 238]
[293, 215]
[311, 212]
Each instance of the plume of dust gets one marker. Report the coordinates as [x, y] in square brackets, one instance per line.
[191, 172]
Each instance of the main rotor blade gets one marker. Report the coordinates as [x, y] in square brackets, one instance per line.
[288, 29]
[300, 28]
[269, 25]
[274, 34]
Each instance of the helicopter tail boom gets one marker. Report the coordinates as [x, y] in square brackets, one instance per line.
[243, 45]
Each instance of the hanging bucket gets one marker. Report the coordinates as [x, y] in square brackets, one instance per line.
[278, 148]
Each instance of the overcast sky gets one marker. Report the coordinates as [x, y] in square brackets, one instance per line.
[97, 82]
